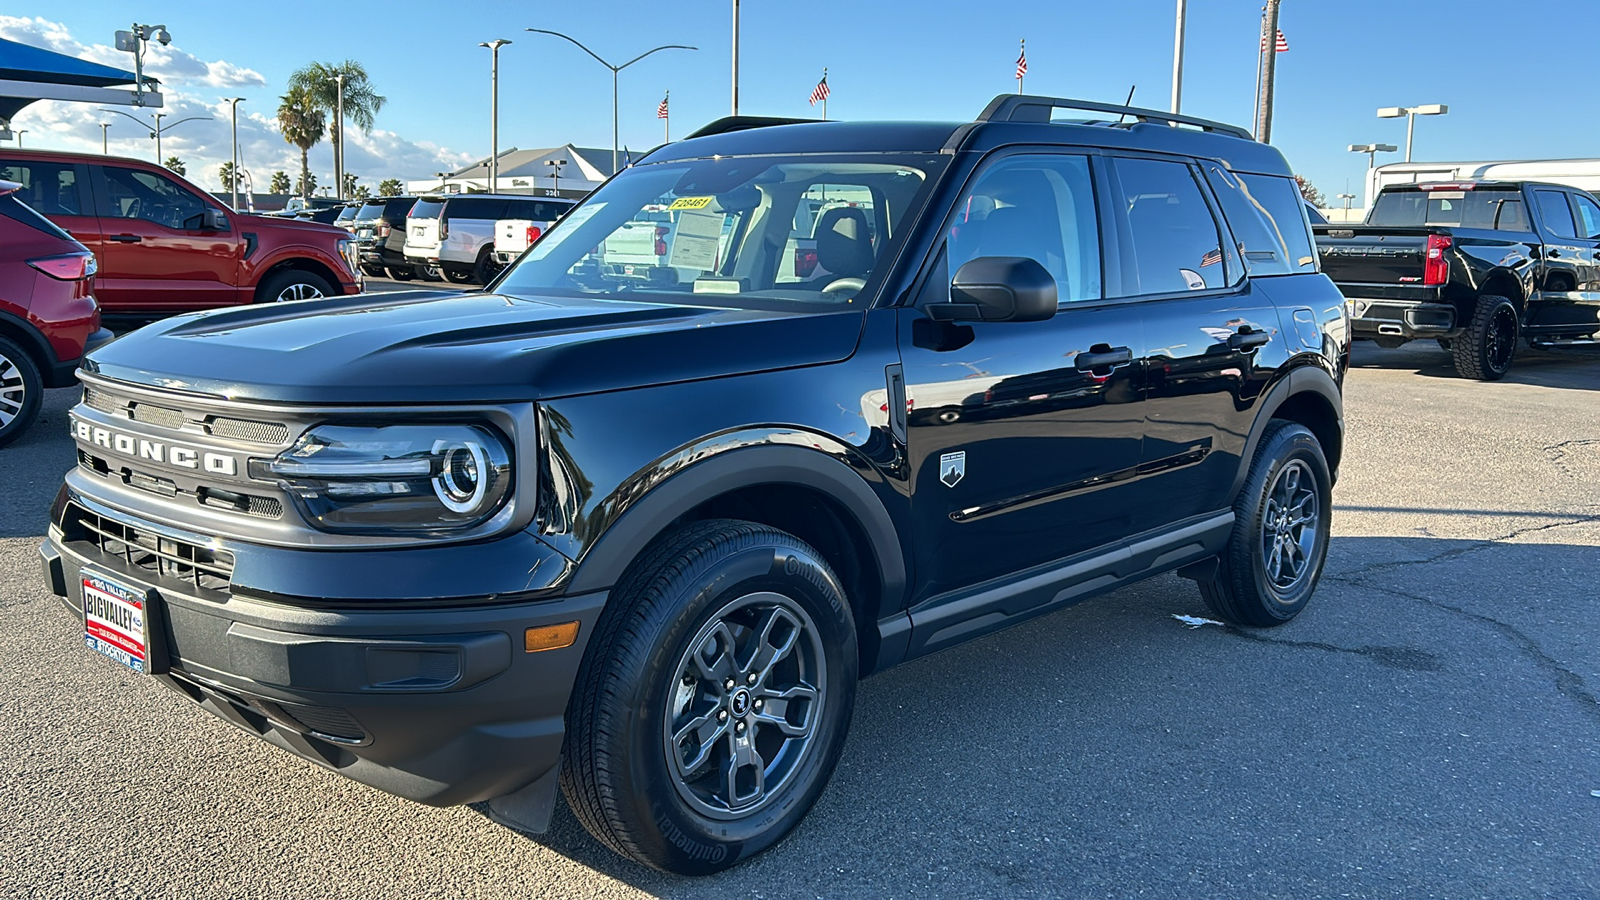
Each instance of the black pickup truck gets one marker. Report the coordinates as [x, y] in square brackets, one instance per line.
[1474, 264]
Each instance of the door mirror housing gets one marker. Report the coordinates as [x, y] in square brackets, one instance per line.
[998, 289]
[213, 220]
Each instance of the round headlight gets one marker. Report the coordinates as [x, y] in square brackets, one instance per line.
[460, 484]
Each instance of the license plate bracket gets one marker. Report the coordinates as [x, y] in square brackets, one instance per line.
[121, 621]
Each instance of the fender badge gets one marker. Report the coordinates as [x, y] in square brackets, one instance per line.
[952, 467]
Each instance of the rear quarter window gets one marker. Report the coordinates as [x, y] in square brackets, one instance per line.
[1279, 201]
[475, 208]
[427, 209]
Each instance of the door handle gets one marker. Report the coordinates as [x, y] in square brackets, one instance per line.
[1247, 340]
[1103, 356]
[125, 238]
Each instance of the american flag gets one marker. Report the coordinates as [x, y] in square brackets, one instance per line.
[820, 92]
[1283, 44]
[1211, 258]
[661, 111]
[1022, 63]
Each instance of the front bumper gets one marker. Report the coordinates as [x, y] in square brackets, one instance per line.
[439, 704]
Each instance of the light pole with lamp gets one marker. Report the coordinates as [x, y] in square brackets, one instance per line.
[735, 58]
[614, 71]
[494, 109]
[158, 129]
[105, 145]
[233, 173]
[555, 173]
[1372, 151]
[338, 118]
[441, 176]
[1411, 113]
[19, 133]
[1347, 198]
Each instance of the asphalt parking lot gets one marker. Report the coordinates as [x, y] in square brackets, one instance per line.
[1429, 727]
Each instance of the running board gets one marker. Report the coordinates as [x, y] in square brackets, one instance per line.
[959, 616]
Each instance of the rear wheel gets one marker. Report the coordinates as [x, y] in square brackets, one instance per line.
[1484, 351]
[429, 273]
[1280, 532]
[457, 276]
[401, 273]
[373, 271]
[21, 389]
[714, 700]
[487, 266]
[292, 284]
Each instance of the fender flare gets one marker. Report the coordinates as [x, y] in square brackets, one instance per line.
[32, 341]
[604, 561]
[1302, 379]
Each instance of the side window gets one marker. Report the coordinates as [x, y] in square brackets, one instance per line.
[1265, 251]
[1037, 207]
[1176, 245]
[50, 189]
[137, 194]
[1279, 198]
[1589, 214]
[1556, 213]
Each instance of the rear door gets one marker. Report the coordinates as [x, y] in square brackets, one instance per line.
[1212, 335]
[1558, 301]
[1586, 312]
[1018, 442]
[59, 191]
[156, 256]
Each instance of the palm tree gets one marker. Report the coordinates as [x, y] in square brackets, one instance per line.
[361, 102]
[301, 123]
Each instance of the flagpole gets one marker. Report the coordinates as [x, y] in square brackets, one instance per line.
[825, 94]
[666, 120]
[1023, 55]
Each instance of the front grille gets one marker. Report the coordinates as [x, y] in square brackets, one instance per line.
[104, 402]
[159, 416]
[204, 567]
[217, 498]
[335, 723]
[246, 430]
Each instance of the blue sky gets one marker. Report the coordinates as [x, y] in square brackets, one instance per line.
[896, 60]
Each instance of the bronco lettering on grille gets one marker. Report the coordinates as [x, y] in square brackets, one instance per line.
[156, 451]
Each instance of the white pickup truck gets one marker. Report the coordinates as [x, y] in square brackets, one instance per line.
[512, 236]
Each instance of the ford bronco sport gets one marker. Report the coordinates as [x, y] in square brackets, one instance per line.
[639, 535]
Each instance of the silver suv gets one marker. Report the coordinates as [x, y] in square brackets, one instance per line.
[455, 233]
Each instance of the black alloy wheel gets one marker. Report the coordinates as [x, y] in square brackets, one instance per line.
[1485, 351]
[713, 701]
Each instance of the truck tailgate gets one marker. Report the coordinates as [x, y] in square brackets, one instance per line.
[511, 235]
[1373, 254]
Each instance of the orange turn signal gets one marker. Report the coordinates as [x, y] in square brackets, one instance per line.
[550, 637]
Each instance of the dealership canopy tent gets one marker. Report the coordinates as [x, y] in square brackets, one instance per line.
[29, 74]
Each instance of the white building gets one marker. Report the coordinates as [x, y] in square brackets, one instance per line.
[566, 171]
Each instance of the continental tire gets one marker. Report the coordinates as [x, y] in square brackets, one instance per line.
[21, 390]
[712, 704]
[1484, 351]
[1280, 532]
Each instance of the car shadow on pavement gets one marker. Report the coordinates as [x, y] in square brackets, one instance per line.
[1557, 367]
[1431, 690]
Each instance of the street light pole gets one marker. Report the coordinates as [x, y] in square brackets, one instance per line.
[1177, 62]
[1411, 113]
[233, 173]
[614, 71]
[105, 145]
[736, 57]
[159, 160]
[555, 173]
[494, 109]
[1372, 151]
[155, 130]
[1269, 72]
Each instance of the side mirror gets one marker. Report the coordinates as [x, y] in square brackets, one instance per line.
[998, 289]
[213, 220]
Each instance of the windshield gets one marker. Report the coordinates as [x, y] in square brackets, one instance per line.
[764, 231]
[370, 210]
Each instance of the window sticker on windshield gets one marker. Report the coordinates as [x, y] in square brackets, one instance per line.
[569, 225]
[691, 203]
[694, 243]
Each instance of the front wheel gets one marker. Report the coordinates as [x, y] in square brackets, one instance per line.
[401, 273]
[457, 276]
[711, 707]
[1280, 532]
[292, 284]
[1484, 351]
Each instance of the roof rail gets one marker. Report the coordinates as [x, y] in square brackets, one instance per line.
[728, 124]
[1030, 108]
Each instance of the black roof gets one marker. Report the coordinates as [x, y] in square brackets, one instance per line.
[1009, 120]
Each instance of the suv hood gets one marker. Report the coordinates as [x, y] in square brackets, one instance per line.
[435, 346]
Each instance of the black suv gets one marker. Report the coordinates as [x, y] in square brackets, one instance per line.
[640, 533]
[380, 229]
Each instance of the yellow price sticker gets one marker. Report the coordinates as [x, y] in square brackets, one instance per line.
[691, 203]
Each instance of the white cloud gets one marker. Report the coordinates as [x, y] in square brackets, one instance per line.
[204, 145]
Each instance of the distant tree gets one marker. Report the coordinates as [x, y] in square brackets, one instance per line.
[176, 165]
[361, 103]
[306, 184]
[359, 192]
[279, 183]
[389, 187]
[301, 122]
[350, 183]
[1310, 193]
[226, 176]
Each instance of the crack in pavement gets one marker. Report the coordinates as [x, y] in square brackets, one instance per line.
[1558, 453]
[1568, 683]
[1407, 658]
[1474, 546]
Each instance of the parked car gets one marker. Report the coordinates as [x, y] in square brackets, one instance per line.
[381, 237]
[512, 236]
[640, 540]
[455, 233]
[1475, 265]
[48, 315]
[326, 215]
[165, 246]
[346, 217]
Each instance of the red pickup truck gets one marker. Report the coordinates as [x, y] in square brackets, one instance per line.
[165, 246]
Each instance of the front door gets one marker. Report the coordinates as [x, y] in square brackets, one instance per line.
[155, 255]
[1019, 434]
